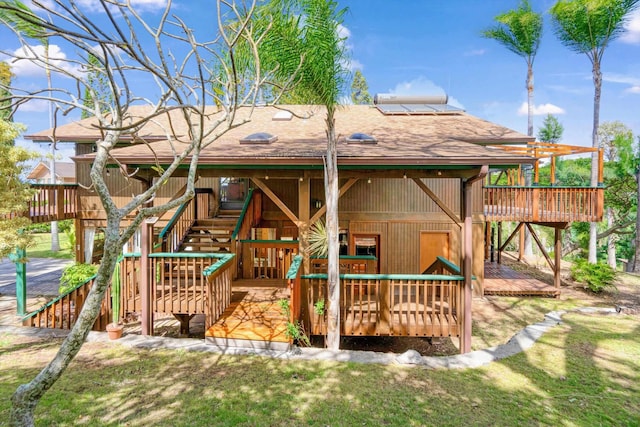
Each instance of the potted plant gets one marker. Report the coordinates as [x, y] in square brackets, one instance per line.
[115, 328]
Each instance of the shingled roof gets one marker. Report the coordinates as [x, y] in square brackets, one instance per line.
[400, 139]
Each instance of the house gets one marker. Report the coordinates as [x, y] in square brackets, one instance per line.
[415, 198]
[65, 173]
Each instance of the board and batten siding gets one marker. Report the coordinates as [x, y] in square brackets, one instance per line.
[398, 211]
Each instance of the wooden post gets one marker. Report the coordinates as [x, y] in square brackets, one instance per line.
[553, 170]
[79, 231]
[60, 203]
[499, 242]
[557, 256]
[467, 265]
[600, 166]
[146, 247]
[304, 214]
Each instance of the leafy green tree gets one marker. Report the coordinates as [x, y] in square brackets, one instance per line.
[5, 95]
[551, 130]
[25, 22]
[520, 31]
[185, 87]
[360, 90]
[14, 193]
[308, 30]
[587, 27]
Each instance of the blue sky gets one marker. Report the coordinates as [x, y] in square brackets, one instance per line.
[418, 47]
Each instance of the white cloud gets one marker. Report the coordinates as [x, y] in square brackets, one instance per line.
[475, 52]
[35, 106]
[343, 32]
[139, 5]
[633, 89]
[632, 29]
[540, 110]
[28, 61]
[632, 81]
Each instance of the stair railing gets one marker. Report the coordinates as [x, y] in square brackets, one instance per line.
[178, 227]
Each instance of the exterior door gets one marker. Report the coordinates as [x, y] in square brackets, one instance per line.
[432, 245]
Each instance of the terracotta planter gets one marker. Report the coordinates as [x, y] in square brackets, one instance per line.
[114, 330]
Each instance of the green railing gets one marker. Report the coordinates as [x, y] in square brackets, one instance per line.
[247, 203]
[390, 304]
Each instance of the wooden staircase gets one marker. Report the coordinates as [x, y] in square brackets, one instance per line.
[211, 234]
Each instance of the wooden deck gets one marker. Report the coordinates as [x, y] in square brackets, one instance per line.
[254, 316]
[499, 279]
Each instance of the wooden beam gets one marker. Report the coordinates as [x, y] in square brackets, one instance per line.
[275, 199]
[558, 256]
[451, 214]
[304, 212]
[504, 245]
[345, 187]
[542, 249]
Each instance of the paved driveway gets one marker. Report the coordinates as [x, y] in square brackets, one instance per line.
[43, 276]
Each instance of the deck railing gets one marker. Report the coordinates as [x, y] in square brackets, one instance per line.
[250, 216]
[63, 311]
[52, 202]
[219, 277]
[395, 304]
[543, 203]
[267, 259]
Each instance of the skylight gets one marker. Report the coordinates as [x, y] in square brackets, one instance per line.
[259, 138]
[361, 138]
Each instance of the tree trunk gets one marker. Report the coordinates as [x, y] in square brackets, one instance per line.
[333, 267]
[528, 244]
[55, 238]
[611, 241]
[597, 84]
[636, 256]
[27, 396]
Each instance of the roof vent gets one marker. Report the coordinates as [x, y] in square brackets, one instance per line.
[259, 138]
[361, 138]
[282, 115]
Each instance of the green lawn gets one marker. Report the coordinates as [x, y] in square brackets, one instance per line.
[42, 247]
[582, 373]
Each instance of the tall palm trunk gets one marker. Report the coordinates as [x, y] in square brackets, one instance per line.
[333, 268]
[597, 83]
[528, 245]
[55, 240]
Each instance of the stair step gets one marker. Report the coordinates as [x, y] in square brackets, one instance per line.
[212, 231]
[208, 244]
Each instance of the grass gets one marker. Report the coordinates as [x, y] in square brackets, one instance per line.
[42, 247]
[584, 372]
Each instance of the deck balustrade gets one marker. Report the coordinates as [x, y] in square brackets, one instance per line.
[62, 312]
[399, 305]
[543, 204]
[52, 202]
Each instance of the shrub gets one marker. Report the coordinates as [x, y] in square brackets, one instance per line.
[596, 277]
[74, 275]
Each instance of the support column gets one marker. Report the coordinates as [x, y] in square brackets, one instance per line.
[21, 281]
[467, 266]
[304, 214]
[557, 256]
[146, 247]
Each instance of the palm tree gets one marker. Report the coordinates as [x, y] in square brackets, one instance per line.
[24, 22]
[520, 31]
[588, 26]
[303, 41]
